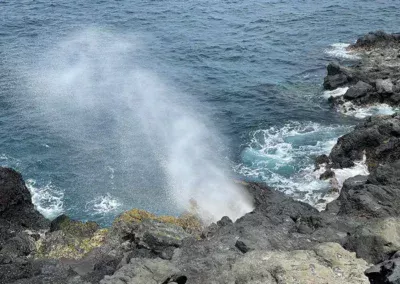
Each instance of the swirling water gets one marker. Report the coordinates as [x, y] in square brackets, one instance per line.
[253, 68]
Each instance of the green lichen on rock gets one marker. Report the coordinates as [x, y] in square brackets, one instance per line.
[70, 239]
[189, 222]
[73, 227]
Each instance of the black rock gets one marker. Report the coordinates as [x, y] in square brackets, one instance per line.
[240, 245]
[17, 212]
[358, 90]
[387, 272]
[332, 82]
[327, 174]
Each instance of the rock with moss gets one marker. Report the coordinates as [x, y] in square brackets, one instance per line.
[70, 239]
[188, 222]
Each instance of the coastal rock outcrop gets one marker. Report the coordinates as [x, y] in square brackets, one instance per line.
[355, 240]
[374, 79]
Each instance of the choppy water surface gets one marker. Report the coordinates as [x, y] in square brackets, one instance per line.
[246, 74]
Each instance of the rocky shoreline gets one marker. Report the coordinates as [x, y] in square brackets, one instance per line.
[355, 240]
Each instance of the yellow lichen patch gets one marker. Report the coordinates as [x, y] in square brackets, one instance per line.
[189, 222]
[69, 247]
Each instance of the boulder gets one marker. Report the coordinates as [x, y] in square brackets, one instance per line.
[376, 240]
[358, 90]
[332, 82]
[373, 196]
[387, 272]
[384, 86]
[376, 137]
[70, 240]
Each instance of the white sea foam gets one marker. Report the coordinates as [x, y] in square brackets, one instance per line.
[335, 93]
[340, 50]
[103, 204]
[349, 108]
[47, 199]
[359, 168]
[283, 158]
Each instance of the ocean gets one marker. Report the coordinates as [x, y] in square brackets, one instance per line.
[113, 105]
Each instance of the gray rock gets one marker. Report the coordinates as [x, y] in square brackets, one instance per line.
[332, 82]
[377, 240]
[358, 90]
[384, 86]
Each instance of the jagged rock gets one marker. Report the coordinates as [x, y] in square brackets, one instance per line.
[72, 242]
[378, 66]
[376, 39]
[387, 272]
[373, 196]
[358, 90]
[17, 212]
[327, 174]
[325, 263]
[131, 220]
[377, 137]
[376, 240]
[384, 86]
[332, 82]
[73, 227]
[320, 160]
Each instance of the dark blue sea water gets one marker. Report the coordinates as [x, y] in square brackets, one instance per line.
[250, 71]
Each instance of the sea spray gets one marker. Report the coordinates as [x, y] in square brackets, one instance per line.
[93, 89]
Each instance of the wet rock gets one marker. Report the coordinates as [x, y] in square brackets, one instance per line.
[332, 82]
[320, 160]
[17, 212]
[358, 90]
[327, 174]
[375, 196]
[377, 138]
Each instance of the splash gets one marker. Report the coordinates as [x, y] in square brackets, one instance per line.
[335, 93]
[340, 50]
[348, 108]
[103, 204]
[47, 199]
[283, 158]
[93, 88]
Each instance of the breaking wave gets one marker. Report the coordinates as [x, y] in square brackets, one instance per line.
[283, 157]
[47, 199]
